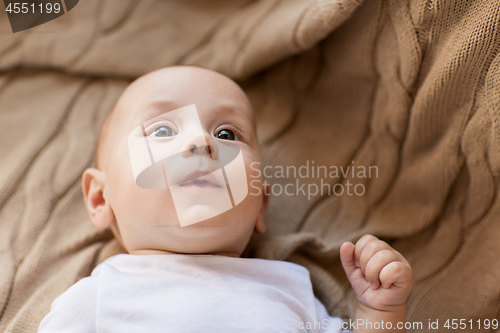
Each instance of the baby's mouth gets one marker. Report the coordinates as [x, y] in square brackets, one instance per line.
[207, 180]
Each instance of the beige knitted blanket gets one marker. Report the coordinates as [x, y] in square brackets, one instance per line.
[408, 90]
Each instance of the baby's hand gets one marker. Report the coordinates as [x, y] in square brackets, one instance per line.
[380, 276]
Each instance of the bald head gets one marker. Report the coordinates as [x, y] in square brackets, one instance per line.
[172, 88]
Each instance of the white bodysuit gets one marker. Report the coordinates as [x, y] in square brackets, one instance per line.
[190, 293]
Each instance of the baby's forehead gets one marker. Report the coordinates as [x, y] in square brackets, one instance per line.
[213, 95]
[186, 85]
[185, 111]
[216, 108]
[216, 100]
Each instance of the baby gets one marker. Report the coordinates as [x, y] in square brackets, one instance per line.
[172, 181]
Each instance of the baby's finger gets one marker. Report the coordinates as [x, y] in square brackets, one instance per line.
[361, 243]
[397, 273]
[347, 258]
[368, 246]
[376, 263]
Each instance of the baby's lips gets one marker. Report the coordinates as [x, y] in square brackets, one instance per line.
[201, 178]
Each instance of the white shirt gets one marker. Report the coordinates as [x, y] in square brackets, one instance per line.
[190, 293]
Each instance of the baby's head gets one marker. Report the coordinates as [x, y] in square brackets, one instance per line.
[156, 111]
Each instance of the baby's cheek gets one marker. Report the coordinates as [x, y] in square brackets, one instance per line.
[147, 206]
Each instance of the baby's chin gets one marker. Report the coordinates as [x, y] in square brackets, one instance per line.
[207, 237]
[223, 232]
[219, 224]
[201, 215]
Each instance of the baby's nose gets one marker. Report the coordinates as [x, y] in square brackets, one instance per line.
[209, 149]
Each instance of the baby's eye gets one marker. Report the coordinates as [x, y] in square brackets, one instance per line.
[162, 132]
[226, 134]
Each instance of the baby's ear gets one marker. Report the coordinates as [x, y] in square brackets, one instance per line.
[93, 186]
[260, 226]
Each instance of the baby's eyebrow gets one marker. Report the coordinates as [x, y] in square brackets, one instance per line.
[160, 106]
[234, 109]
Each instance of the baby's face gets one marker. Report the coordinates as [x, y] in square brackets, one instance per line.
[204, 117]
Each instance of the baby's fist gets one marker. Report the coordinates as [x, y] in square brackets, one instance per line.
[380, 276]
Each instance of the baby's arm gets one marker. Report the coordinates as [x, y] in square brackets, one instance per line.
[382, 280]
